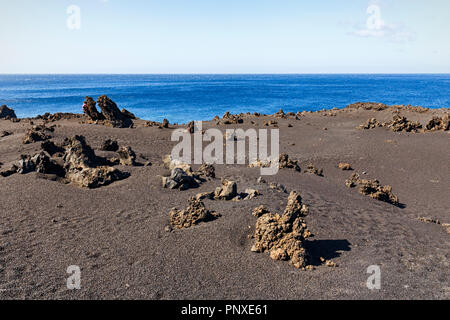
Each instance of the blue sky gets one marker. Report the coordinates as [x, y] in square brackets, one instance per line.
[211, 36]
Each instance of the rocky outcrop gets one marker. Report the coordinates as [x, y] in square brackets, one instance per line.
[279, 114]
[192, 215]
[227, 191]
[5, 133]
[229, 118]
[439, 123]
[370, 124]
[127, 156]
[283, 236]
[74, 162]
[286, 162]
[400, 123]
[7, 113]
[83, 168]
[345, 166]
[368, 106]
[90, 110]
[314, 170]
[206, 171]
[38, 133]
[165, 124]
[41, 163]
[179, 179]
[259, 211]
[112, 114]
[127, 114]
[372, 188]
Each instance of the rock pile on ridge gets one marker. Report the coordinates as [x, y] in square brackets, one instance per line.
[439, 123]
[372, 188]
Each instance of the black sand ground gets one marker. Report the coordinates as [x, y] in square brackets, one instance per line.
[116, 233]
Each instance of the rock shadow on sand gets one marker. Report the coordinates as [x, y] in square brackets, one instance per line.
[326, 249]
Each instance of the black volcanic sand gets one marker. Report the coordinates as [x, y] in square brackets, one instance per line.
[116, 234]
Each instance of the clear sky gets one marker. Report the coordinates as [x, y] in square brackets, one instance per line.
[226, 36]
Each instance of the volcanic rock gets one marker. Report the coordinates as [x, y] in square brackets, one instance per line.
[370, 124]
[313, 170]
[192, 215]
[90, 110]
[112, 113]
[7, 113]
[259, 211]
[344, 166]
[227, 191]
[127, 114]
[37, 133]
[285, 162]
[438, 123]
[400, 123]
[283, 236]
[127, 156]
[373, 189]
[206, 171]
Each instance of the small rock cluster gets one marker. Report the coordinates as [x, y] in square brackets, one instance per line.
[161, 125]
[439, 123]
[283, 236]
[400, 123]
[38, 133]
[372, 188]
[368, 106]
[314, 170]
[84, 168]
[435, 221]
[74, 161]
[370, 124]
[345, 166]
[192, 215]
[286, 162]
[228, 191]
[182, 176]
[229, 118]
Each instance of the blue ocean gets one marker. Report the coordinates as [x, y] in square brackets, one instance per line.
[182, 98]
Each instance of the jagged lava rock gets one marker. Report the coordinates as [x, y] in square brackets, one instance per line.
[7, 113]
[90, 110]
[127, 156]
[192, 215]
[227, 191]
[112, 113]
[283, 235]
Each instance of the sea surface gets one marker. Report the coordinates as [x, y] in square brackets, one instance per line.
[182, 98]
